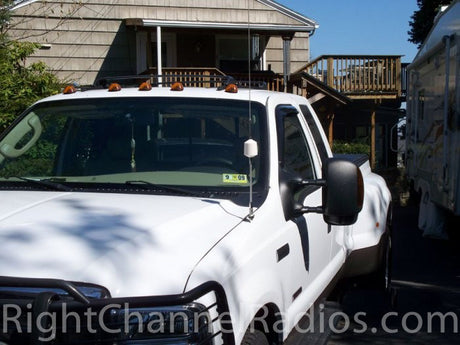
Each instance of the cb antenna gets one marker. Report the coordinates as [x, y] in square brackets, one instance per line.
[250, 145]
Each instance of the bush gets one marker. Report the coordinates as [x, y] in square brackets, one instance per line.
[21, 85]
[340, 146]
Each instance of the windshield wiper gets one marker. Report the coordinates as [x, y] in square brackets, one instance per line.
[45, 182]
[168, 188]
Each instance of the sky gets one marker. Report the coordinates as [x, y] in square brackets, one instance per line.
[363, 27]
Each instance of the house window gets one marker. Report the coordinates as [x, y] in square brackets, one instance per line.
[232, 53]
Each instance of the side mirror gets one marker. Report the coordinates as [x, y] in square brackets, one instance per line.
[343, 194]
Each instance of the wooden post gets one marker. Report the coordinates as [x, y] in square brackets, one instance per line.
[330, 72]
[372, 158]
[398, 79]
[304, 86]
[206, 79]
[330, 131]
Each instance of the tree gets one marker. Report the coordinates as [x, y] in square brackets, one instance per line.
[5, 6]
[20, 84]
[422, 19]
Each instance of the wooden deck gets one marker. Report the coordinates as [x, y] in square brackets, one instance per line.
[359, 76]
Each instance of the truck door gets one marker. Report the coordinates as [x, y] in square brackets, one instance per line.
[297, 158]
[341, 235]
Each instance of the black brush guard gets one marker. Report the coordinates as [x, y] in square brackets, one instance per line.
[44, 299]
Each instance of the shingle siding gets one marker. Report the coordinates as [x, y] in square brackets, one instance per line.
[89, 38]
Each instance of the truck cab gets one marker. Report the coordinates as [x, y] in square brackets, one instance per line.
[178, 215]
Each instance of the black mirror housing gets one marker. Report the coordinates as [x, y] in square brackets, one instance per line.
[289, 183]
[343, 194]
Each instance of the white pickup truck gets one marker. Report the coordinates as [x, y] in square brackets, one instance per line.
[172, 215]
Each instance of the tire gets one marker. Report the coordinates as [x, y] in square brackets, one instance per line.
[254, 337]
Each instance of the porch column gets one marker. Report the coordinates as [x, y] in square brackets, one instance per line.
[286, 59]
[159, 62]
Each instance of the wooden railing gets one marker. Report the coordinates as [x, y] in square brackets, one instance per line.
[272, 81]
[358, 74]
[210, 77]
[198, 77]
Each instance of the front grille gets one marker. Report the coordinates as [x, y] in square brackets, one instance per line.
[47, 311]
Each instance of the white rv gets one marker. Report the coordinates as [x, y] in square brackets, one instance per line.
[433, 123]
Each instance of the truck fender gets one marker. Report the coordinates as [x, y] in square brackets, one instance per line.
[251, 295]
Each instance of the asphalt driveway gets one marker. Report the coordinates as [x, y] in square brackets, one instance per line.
[426, 301]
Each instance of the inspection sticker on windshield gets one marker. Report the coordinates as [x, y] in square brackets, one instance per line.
[235, 178]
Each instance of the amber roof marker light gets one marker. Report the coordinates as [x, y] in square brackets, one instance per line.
[177, 86]
[145, 86]
[69, 89]
[231, 88]
[114, 87]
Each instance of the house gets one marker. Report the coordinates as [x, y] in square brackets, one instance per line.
[354, 96]
[84, 40]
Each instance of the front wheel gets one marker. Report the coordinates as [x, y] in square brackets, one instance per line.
[254, 337]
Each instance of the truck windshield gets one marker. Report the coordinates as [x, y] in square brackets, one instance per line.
[136, 141]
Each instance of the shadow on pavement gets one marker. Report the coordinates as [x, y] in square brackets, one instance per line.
[426, 282]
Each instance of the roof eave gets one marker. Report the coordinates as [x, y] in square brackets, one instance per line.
[215, 25]
[290, 13]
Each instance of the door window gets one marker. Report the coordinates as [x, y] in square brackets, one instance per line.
[296, 155]
[315, 132]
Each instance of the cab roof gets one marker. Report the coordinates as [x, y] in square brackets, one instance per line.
[256, 95]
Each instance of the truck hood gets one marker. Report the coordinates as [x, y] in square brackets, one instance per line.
[132, 244]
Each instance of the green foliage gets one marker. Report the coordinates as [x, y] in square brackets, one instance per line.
[21, 84]
[339, 146]
[422, 19]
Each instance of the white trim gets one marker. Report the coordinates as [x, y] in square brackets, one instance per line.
[289, 13]
[215, 25]
[159, 57]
